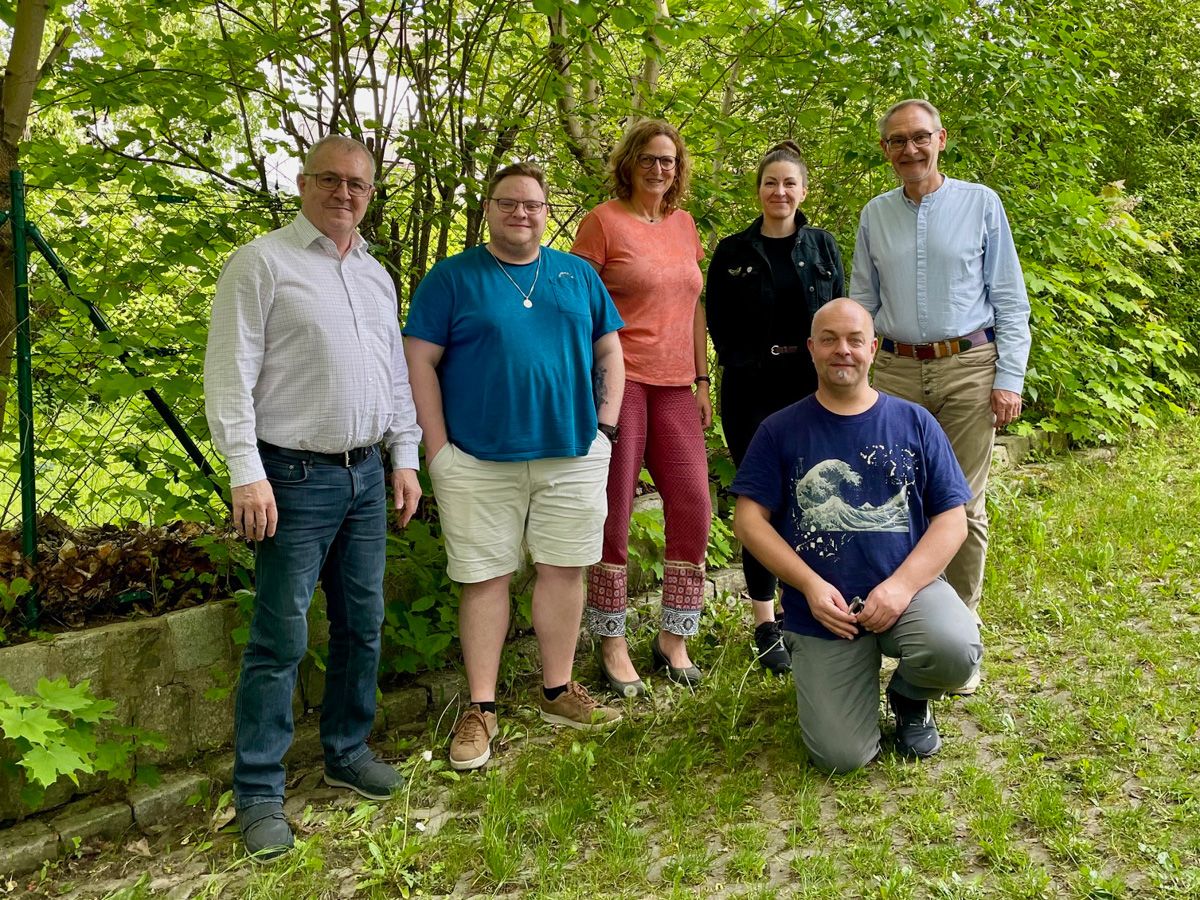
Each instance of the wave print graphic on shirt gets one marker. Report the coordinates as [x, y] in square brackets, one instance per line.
[827, 515]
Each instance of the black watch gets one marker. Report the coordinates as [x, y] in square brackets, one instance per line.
[612, 432]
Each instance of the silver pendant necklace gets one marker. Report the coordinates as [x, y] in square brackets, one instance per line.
[526, 296]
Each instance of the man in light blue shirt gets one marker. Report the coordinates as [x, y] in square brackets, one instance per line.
[935, 264]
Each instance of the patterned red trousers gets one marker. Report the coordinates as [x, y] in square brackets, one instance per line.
[660, 425]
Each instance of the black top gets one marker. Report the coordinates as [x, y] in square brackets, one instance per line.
[758, 294]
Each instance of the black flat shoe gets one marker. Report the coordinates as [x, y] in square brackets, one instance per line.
[627, 689]
[688, 675]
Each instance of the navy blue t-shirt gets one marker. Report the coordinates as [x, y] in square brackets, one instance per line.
[851, 494]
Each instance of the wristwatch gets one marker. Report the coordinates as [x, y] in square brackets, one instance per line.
[612, 432]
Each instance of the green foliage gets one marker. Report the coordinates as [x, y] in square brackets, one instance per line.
[55, 733]
[1105, 356]
[418, 634]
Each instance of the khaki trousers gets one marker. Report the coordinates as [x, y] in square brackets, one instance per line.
[958, 391]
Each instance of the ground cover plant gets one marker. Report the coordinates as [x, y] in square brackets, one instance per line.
[1075, 772]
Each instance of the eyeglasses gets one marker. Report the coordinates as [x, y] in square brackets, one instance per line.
[531, 207]
[919, 140]
[647, 161]
[327, 181]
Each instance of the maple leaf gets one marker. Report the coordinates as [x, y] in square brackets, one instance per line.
[45, 764]
[77, 700]
[35, 726]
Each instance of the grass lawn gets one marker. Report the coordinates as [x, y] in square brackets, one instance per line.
[1075, 772]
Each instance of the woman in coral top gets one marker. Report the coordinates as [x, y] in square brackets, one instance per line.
[647, 252]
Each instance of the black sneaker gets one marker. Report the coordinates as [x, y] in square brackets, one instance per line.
[916, 733]
[265, 831]
[768, 638]
[367, 776]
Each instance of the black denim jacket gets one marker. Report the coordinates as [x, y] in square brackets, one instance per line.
[741, 292]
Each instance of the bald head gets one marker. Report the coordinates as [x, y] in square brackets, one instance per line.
[848, 314]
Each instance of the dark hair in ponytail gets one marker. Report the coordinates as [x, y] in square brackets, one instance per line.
[784, 151]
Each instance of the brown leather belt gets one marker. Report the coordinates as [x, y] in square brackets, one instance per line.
[939, 349]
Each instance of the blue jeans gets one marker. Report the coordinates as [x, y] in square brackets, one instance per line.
[332, 525]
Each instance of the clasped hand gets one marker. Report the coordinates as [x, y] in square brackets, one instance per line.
[880, 611]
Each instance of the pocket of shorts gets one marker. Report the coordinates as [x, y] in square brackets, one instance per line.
[444, 452]
[285, 471]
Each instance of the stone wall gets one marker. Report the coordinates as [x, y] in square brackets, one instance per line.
[173, 675]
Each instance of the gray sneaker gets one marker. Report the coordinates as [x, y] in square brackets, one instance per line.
[265, 831]
[366, 775]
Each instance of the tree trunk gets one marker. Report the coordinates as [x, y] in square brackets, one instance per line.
[20, 78]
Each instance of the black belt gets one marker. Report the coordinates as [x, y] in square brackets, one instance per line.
[345, 459]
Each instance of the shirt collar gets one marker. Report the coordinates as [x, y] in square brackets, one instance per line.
[307, 232]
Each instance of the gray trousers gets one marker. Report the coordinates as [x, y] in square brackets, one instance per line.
[837, 681]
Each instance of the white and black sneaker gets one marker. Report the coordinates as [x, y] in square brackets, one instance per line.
[916, 733]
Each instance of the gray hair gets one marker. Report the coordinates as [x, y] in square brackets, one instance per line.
[916, 101]
[342, 143]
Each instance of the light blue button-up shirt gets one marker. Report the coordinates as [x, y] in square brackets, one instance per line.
[944, 268]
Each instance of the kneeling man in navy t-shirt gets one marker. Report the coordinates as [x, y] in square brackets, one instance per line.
[855, 501]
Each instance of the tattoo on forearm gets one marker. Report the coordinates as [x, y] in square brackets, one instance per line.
[600, 385]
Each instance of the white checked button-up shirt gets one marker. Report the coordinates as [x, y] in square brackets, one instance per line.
[304, 351]
[944, 268]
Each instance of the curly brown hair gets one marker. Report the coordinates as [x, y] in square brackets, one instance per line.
[625, 154]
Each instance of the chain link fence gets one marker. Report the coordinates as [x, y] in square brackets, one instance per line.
[144, 267]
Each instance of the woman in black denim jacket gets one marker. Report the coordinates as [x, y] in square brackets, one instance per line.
[764, 284]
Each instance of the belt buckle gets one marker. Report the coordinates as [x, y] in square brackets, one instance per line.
[346, 456]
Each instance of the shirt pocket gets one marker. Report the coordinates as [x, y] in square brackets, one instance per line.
[570, 296]
[823, 282]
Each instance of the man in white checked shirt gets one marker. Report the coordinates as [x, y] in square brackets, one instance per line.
[304, 378]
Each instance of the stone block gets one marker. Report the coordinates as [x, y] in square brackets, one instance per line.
[1019, 447]
[306, 743]
[166, 709]
[168, 799]
[26, 846]
[1000, 458]
[447, 690]
[23, 665]
[211, 721]
[137, 654]
[80, 656]
[199, 636]
[88, 820]
[402, 707]
[218, 767]
[728, 581]
[310, 686]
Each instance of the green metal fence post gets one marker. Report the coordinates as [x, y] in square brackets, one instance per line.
[24, 368]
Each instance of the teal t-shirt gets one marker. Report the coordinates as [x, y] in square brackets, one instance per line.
[516, 380]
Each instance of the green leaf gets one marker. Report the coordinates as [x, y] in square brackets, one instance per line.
[45, 764]
[34, 725]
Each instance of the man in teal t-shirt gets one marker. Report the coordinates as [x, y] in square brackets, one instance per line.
[517, 375]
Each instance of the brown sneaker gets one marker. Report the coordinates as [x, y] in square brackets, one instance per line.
[575, 707]
[471, 746]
